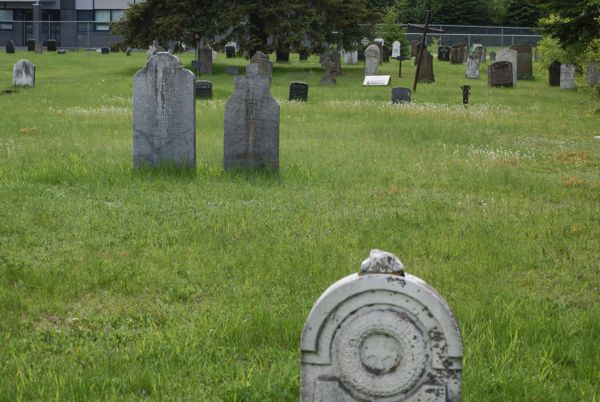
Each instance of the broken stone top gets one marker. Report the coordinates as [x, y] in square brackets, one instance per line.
[382, 262]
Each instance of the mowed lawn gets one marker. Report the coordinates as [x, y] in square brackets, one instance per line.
[195, 287]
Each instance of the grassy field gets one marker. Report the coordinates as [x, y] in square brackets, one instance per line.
[186, 287]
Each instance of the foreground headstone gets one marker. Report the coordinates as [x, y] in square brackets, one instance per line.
[444, 53]
[524, 61]
[205, 61]
[381, 335]
[473, 66]
[567, 76]
[400, 95]
[593, 73]
[251, 137]
[204, 89]
[51, 45]
[164, 114]
[511, 56]
[10, 47]
[24, 73]
[372, 57]
[426, 70]
[554, 74]
[298, 91]
[500, 74]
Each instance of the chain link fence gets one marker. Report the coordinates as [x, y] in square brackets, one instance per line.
[485, 35]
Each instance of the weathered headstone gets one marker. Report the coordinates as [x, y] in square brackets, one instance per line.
[381, 335]
[251, 124]
[444, 53]
[473, 66]
[511, 56]
[492, 57]
[230, 52]
[298, 91]
[232, 71]
[24, 73]
[164, 114]
[265, 67]
[105, 50]
[282, 57]
[500, 74]
[426, 71]
[457, 53]
[30, 45]
[554, 74]
[205, 63]
[396, 49]
[593, 74]
[400, 95]
[567, 76]
[39, 48]
[329, 66]
[51, 45]
[372, 57]
[204, 89]
[524, 61]
[10, 47]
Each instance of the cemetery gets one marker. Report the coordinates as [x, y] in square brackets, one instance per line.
[195, 226]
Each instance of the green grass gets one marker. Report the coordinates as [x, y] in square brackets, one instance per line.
[166, 286]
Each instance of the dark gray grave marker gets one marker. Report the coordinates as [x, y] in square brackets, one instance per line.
[500, 74]
[281, 56]
[10, 47]
[105, 50]
[298, 91]
[230, 52]
[30, 45]
[400, 95]
[204, 89]
[304, 55]
[554, 74]
[444, 53]
[386, 53]
[51, 45]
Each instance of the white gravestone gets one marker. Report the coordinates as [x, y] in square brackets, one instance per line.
[567, 76]
[511, 56]
[164, 114]
[24, 73]
[472, 67]
[372, 59]
[396, 47]
[351, 57]
[381, 335]
[376, 80]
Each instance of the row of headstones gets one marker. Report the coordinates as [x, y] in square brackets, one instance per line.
[33, 46]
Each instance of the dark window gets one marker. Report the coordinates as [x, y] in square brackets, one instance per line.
[85, 15]
[6, 19]
[99, 20]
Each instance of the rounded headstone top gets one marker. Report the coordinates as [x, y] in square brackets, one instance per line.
[382, 262]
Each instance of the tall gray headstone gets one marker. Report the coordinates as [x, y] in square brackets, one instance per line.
[372, 59]
[473, 66]
[251, 137]
[511, 56]
[24, 73]
[205, 60]
[381, 335]
[164, 114]
[593, 73]
[567, 76]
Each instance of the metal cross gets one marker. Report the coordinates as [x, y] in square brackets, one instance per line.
[425, 29]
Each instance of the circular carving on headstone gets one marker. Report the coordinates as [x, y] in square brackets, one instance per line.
[380, 352]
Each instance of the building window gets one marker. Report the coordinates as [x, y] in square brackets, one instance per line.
[97, 20]
[85, 16]
[6, 19]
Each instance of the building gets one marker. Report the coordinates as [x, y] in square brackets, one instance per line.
[72, 23]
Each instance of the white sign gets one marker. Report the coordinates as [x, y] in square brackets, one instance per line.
[376, 80]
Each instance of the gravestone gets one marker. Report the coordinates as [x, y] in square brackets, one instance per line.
[479, 53]
[400, 95]
[265, 67]
[413, 48]
[457, 53]
[230, 52]
[298, 91]
[30, 45]
[329, 65]
[524, 61]
[444, 53]
[385, 51]
[304, 55]
[372, 57]
[232, 71]
[251, 124]
[567, 76]
[379, 42]
[205, 62]
[511, 56]
[554, 74]
[203, 89]
[164, 114]
[500, 74]
[24, 73]
[593, 75]
[10, 47]
[105, 50]
[473, 66]
[39, 49]
[381, 335]
[351, 57]
[426, 70]
[61, 51]
[396, 49]
[336, 58]
[282, 57]
[51, 45]
[492, 57]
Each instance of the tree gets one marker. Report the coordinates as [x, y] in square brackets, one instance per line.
[573, 22]
[391, 30]
[522, 13]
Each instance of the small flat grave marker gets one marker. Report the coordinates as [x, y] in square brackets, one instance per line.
[376, 80]
[400, 95]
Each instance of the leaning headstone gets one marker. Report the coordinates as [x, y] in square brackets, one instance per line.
[10, 47]
[164, 114]
[426, 70]
[524, 61]
[396, 49]
[282, 57]
[593, 74]
[511, 56]
[473, 66]
[554, 74]
[265, 67]
[105, 50]
[381, 335]
[24, 73]
[298, 91]
[51, 45]
[329, 66]
[230, 52]
[251, 124]
[205, 62]
[444, 53]
[39, 48]
[372, 57]
[492, 57]
[500, 74]
[400, 95]
[30, 45]
[567, 76]
[457, 53]
[203, 89]
[232, 71]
